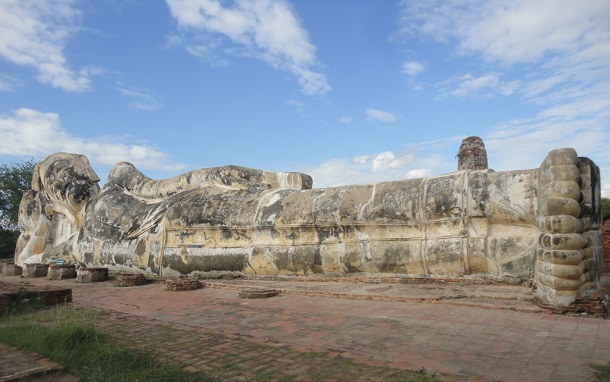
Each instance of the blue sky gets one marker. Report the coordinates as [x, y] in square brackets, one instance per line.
[348, 91]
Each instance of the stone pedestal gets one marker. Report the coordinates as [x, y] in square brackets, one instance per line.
[61, 272]
[131, 279]
[91, 275]
[11, 270]
[36, 270]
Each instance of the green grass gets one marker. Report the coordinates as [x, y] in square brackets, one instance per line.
[68, 336]
[601, 373]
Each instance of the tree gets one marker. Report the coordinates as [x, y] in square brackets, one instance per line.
[15, 179]
[605, 208]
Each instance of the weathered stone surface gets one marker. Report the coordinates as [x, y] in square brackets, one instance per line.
[61, 272]
[569, 260]
[36, 270]
[10, 269]
[51, 213]
[91, 275]
[540, 224]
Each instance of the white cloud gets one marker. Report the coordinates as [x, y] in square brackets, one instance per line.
[379, 115]
[514, 32]
[361, 159]
[387, 160]
[524, 144]
[469, 84]
[265, 29]
[7, 83]
[557, 57]
[419, 173]
[139, 99]
[34, 33]
[345, 119]
[374, 168]
[297, 104]
[412, 68]
[484, 86]
[37, 134]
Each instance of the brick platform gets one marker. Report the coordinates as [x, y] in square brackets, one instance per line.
[11, 294]
[178, 285]
[257, 293]
[130, 279]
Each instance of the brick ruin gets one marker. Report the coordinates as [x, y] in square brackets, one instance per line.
[472, 154]
[605, 231]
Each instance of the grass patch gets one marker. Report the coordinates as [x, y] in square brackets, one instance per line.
[601, 373]
[68, 336]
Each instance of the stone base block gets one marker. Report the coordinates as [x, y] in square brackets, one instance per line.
[61, 272]
[12, 270]
[36, 270]
[182, 285]
[91, 275]
[131, 279]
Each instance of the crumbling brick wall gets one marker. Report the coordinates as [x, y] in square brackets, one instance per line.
[472, 154]
[606, 245]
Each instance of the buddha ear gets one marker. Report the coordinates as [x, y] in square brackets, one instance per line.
[83, 167]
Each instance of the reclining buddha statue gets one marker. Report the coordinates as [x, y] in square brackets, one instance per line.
[540, 224]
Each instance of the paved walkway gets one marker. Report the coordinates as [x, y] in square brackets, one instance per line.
[505, 342]
[18, 365]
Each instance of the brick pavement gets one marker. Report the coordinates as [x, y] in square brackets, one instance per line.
[236, 357]
[19, 365]
[466, 342]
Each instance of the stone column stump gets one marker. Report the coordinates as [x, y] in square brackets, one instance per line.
[37, 270]
[10, 269]
[91, 275]
[61, 272]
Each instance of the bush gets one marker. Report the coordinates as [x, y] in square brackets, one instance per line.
[605, 208]
[8, 240]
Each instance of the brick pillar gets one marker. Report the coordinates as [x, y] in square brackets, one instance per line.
[606, 245]
[472, 154]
